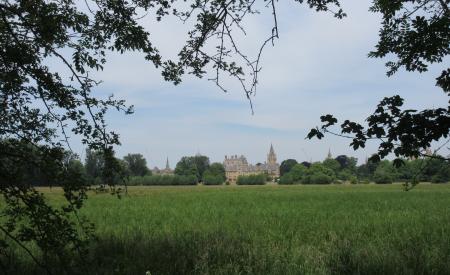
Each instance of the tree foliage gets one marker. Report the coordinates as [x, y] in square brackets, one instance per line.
[286, 166]
[214, 174]
[136, 164]
[41, 107]
[162, 180]
[257, 179]
[435, 170]
[416, 34]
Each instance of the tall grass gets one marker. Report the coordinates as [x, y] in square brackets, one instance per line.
[270, 230]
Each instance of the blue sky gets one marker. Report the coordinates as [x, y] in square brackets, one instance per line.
[318, 66]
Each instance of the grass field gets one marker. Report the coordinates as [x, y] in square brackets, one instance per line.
[361, 229]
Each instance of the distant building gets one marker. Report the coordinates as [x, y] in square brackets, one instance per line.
[238, 166]
[165, 171]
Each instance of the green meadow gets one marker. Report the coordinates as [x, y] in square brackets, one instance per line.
[334, 229]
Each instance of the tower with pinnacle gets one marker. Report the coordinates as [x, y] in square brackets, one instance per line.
[167, 170]
[271, 166]
[167, 164]
[329, 156]
[271, 157]
[236, 166]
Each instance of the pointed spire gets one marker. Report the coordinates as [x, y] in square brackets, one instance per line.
[271, 157]
[329, 156]
[167, 164]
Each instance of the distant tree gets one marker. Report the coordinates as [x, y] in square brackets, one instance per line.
[94, 164]
[385, 172]
[343, 160]
[202, 163]
[49, 52]
[411, 170]
[103, 168]
[431, 167]
[193, 165]
[442, 175]
[366, 170]
[298, 172]
[347, 162]
[186, 167]
[306, 164]
[295, 175]
[333, 165]
[344, 174]
[76, 167]
[319, 174]
[414, 34]
[137, 165]
[216, 170]
[286, 166]
[352, 164]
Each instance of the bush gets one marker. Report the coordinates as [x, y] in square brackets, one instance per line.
[286, 179]
[163, 180]
[382, 178]
[212, 180]
[385, 173]
[295, 175]
[344, 175]
[259, 179]
[438, 179]
[353, 180]
[320, 178]
[318, 174]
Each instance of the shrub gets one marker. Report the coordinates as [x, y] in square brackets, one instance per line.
[344, 175]
[320, 178]
[259, 179]
[363, 181]
[164, 180]
[438, 179]
[385, 173]
[353, 180]
[286, 179]
[318, 174]
[212, 180]
[382, 178]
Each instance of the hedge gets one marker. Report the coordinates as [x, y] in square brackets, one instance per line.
[213, 180]
[259, 179]
[163, 180]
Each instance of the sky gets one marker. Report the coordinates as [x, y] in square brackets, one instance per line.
[318, 66]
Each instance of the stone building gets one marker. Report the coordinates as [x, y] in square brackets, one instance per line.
[236, 166]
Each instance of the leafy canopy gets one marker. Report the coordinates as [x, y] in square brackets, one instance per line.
[42, 107]
[415, 33]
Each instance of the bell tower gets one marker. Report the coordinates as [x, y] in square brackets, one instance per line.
[271, 157]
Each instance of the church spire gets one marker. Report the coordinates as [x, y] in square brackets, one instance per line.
[271, 157]
[329, 156]
[167, 164]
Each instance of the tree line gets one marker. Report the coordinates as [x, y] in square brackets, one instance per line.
[345, 169]
[132, 169]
